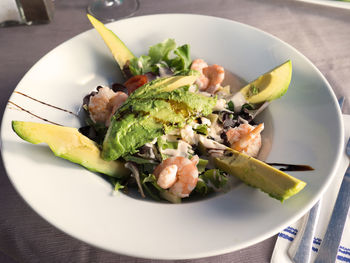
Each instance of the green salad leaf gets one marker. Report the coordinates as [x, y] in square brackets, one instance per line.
[210, 181]
[118, 186]
[202, 164]
[161, 51]
[138, 160]
[202, 129]
[141, 65]
[231, 106]
[183, 60]
[164, 54]
[149, 184]
[164, 144]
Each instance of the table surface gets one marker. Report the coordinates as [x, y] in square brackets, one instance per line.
[321, 33]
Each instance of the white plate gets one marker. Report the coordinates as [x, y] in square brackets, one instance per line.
[306, 128]
[331, 3]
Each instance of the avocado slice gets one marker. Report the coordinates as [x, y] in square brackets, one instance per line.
[68, 143]
[194, 102]
[129, 133]
[179, 100]
[149, 119]
[160, 85]
[160, 109]
[258, 174]
[269, 86]
[149, 90]
[150, 112]
[119, 50]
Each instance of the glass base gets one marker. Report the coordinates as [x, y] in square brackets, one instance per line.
[111, 10]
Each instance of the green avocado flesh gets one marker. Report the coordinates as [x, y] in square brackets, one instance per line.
[119, 51]
[162, 85]
[269, 86]
[152, 89]
[68, 143]
[258, 174]
[126, 135]
[150, 112]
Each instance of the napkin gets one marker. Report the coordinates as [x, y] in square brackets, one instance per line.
[293, 232]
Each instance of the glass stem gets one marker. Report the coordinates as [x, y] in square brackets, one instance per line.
[113, 2]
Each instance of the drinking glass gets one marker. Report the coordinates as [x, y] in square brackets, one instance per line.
[111, 10]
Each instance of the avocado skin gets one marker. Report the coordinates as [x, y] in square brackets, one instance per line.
[68, 143]
[255, 173]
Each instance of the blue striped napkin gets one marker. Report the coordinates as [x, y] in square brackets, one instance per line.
[293, 232]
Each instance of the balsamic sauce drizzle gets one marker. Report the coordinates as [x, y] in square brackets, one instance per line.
[293, 167]
[32, 113]
[287, 167]
[58, 108]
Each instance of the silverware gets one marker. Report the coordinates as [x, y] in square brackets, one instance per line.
[331, 241]
[303, 250]
[302, 253]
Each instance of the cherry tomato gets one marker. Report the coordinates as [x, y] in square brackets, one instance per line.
[135, 82]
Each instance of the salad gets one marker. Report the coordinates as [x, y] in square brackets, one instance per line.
[171, 129]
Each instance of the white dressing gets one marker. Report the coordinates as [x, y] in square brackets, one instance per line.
[188, 134]
[183, 149]
[238, 101]
[215, 131]
[193, 89]
[220, 105]
[206, 121]
[211, 144]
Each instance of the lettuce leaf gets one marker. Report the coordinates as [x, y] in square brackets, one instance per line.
[149, 184]
[202, 129]
[164, 144]
[164, 54]
[138, 160]
[202, 164]
[213, 180]
[118, 186]
[183, 60]
[161, 51]
[141, 65]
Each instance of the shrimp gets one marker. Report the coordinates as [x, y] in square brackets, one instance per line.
[104, 104]
[114, 104]
[246, 138]
[215, 75]
[210, 76]
[202, 81]
[178, 174]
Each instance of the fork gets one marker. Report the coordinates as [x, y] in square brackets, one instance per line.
[300, 252]
[331, 241]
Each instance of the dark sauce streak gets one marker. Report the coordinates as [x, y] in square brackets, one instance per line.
[293, 167]
[33, 113]
[25, 95]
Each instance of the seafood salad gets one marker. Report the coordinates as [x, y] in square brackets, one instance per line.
[175, 163]
[171, 129]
